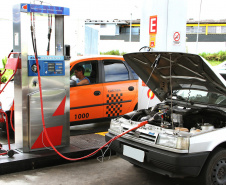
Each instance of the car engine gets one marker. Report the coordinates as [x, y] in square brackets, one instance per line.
[183, 118]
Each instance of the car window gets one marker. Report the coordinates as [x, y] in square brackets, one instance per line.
[135, 76]
[115, 70]
[91, 70]
[201, 97]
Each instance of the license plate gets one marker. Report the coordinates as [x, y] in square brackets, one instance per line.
[133, 153]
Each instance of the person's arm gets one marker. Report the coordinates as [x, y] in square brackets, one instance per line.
[83, 82]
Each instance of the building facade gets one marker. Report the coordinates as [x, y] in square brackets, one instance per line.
[116, 34]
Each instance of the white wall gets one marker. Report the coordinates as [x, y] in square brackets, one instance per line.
[171, 18]
[6, 39]
[109, 29]
[207, 47]
[105, 29]
[108, 45]
[77, 36]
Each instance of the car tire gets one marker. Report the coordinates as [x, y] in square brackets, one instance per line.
[214, 170]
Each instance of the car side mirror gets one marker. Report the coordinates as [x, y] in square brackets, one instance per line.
[73, 83]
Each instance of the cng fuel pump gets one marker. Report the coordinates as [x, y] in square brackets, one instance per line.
[41, 85]
[54, 74]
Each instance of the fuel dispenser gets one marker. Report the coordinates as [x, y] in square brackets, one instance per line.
[47, 81]
[54, 73]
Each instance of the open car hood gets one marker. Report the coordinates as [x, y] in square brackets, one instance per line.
[181, 70]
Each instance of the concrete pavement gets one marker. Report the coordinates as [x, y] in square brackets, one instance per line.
[114, 171]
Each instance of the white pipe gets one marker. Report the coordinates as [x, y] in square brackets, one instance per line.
[197, 39]
[130, 31]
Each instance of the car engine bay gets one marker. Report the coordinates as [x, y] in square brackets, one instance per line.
[189, 119]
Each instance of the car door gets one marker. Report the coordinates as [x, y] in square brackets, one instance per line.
[86, 101]
[120, 90]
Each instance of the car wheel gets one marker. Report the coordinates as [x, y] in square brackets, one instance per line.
[214, 171]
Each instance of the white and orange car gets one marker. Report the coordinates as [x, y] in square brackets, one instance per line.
[113, 90]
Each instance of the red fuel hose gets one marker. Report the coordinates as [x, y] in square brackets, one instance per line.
[42, 111]
[4, 152]
[11, 116]
[11, 64]
[7, 129]
[46, 134]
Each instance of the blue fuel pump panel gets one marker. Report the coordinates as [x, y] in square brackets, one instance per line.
[48, 66]
[36, 8]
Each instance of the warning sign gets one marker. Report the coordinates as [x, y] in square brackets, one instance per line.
[152, 30]
[153, 24]
[150, 94]
[176, 38]
[152, 41]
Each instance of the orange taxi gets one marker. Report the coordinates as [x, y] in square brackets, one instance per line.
[112, 91]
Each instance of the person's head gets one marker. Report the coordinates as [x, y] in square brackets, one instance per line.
[79, 71]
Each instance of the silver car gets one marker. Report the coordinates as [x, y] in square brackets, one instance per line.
[185, 134]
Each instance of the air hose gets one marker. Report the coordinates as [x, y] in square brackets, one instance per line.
[42, 111]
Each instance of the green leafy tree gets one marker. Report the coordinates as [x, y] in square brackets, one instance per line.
[8, 72]
[219, 56]
[4, 60]
[112, 52]
[3, 79]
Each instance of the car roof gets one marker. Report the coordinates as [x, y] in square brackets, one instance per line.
[93, 57]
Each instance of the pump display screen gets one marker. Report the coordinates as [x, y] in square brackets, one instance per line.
[54, 67]
[48, 66]
[51, 67]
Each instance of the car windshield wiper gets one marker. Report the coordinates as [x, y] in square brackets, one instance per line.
[179, 97]
[182, 98]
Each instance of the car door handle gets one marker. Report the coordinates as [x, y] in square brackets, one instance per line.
[97, 93]
[130, 88]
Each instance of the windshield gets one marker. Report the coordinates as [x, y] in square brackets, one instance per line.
[198, 96]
